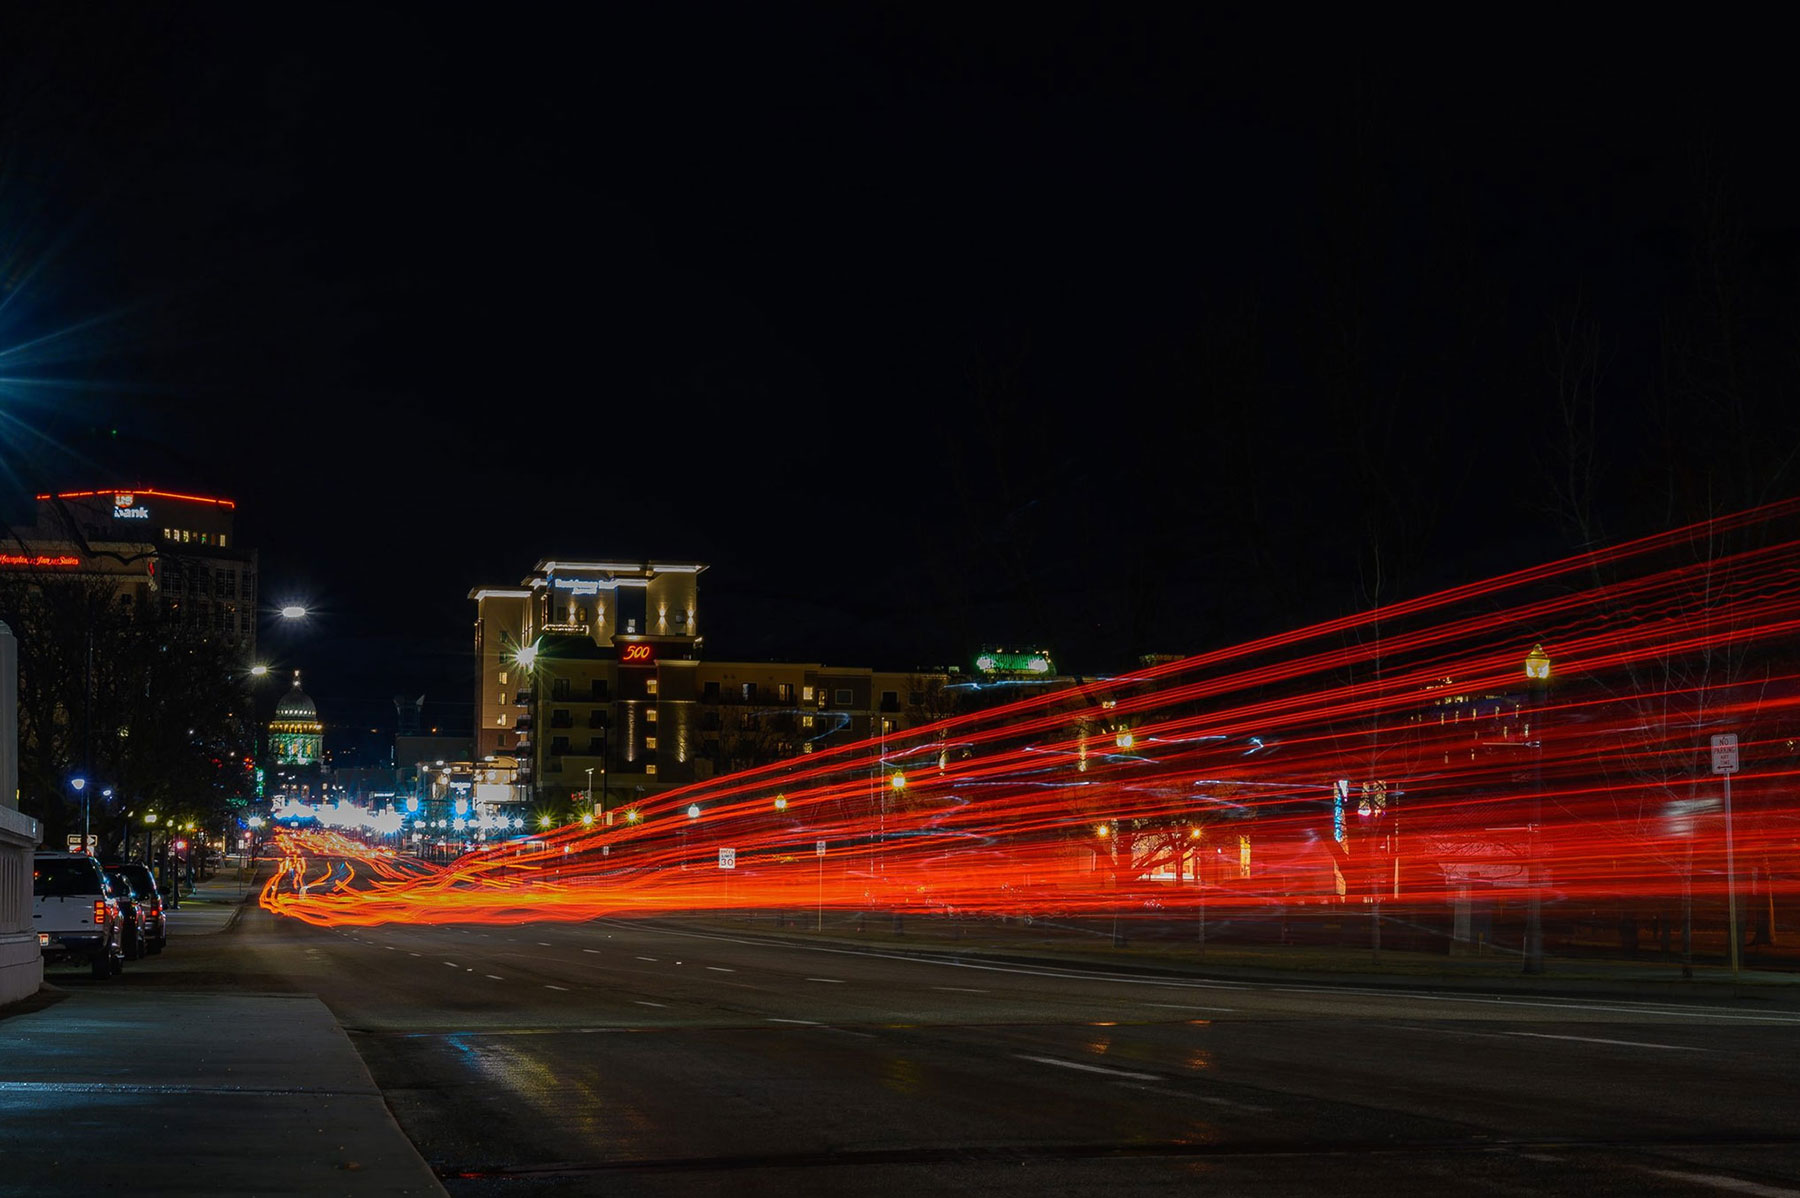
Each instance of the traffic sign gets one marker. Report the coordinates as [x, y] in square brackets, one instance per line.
[727, 858]
[1725, 753]
[93, 843]
[819, 849]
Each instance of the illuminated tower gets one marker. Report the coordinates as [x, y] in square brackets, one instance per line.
[296, 736]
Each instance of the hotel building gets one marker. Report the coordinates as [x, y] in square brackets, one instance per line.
[590, 675]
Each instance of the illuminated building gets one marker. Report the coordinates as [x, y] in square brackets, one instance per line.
[296, 737]
[170, 556]
[590, 673]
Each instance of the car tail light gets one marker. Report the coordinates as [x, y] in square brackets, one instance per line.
[99, 911]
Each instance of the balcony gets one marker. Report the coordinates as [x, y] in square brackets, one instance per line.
[597, 719]
[523, 698]
[522, 722]
[562, 719]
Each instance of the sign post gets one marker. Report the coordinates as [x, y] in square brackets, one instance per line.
[1725, 764]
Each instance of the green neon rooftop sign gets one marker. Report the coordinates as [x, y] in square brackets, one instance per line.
[998, 661]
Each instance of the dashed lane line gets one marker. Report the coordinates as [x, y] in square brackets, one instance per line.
[1603, 1040]
[1084, 1068]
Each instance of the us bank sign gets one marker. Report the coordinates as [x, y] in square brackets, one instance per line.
[126, 507]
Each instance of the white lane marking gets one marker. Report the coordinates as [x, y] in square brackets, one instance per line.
[412, 954]
[1602, 1040]
[548, 986]
[495, 977]
[644, 1002]
[1734, 1185]
[453, 964]
[389, 947]
[961, 990]
[720, 969]
[1186, 1006]
[1208, 1098]
[543, 944]
[828, 981]
[1321, 991]
[646, 958]
[595, 951]
[1142, 1077]
[801, 1022]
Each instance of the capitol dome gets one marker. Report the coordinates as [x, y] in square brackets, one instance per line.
[297, 705]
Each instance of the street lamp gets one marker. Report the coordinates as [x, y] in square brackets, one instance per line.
[80, 785]
[1537, 677]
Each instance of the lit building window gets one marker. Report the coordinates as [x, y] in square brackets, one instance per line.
[221, 540]
[500, 721]
[502, 677]
[650, 767]
[806, 721]
[650, 686]
[650, 715]
[806, 694]
[649, 742]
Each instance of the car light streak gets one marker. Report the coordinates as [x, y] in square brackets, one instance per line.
[1395, 756]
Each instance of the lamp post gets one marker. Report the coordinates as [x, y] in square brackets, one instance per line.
[593, 808]
[1537, 679]
[80, 785]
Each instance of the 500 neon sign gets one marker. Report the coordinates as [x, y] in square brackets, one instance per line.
[638, 654]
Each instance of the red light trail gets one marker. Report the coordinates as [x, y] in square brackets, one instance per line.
[1399, 756]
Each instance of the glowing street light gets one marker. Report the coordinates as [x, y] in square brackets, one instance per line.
[693, 811]
[1537, 664]
[294, 611]
[781, 802]
[898, 782]
[259, 671]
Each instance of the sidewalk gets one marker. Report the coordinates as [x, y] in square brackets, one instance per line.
[104, 1088]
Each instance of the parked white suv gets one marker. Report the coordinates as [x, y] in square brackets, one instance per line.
[75, 913]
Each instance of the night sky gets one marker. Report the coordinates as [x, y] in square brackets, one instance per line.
[1117, 334]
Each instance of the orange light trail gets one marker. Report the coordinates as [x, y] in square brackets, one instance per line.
[1398, 756]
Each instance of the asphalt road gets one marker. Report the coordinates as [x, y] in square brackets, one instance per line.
[661, 1058]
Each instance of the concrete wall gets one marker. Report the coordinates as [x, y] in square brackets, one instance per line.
[21, 963]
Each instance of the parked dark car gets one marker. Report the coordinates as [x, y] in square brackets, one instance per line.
[155, 917]
[134, 912]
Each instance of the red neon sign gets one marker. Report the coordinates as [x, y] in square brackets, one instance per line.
[231, 503]
[640, 653]
[62, 560]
